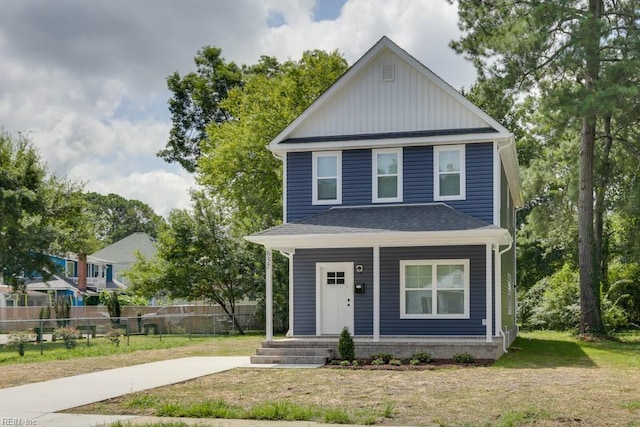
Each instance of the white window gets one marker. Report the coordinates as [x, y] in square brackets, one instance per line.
[449, 172]
[434, 289]
[327, 178]
[387, 175]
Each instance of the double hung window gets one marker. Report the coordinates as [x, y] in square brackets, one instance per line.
[387, 175]
[327, 178]
[449, 172]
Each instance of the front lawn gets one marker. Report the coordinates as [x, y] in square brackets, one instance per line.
[547, 379]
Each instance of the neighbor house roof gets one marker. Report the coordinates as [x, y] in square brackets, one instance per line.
[124, 251]
[370, 225]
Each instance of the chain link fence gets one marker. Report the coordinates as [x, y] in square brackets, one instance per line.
[155, 325]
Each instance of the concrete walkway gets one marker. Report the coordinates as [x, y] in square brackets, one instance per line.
[38, 404]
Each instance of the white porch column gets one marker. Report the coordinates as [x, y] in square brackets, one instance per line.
[269, 294]
[497, 277]
[290, 332]
[376, 293]
[489, 299]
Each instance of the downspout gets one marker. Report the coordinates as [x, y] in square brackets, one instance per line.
[502, 252]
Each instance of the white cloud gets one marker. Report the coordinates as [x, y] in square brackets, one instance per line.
[160, 189]
[86, 80]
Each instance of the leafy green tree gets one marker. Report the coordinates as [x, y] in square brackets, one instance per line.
[198, 258]
[195, 102]
[237, 168]
[580, 59]
[115, 217]
[39, 214]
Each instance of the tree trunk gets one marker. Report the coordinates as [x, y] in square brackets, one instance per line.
[590, 320]
[231, 315]
[601, 242]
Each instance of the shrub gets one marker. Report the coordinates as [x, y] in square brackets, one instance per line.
[68, 334]
[395, 362]
[18, 339]
[114, 335]
[463, 358]
[414, 362]
[422, 357]
[346, 348]
[553, 302]
[386, 357]
[345, 363]
[378, 362]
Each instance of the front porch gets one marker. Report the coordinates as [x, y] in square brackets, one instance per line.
[320, 350]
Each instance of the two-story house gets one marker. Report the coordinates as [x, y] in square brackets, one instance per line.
[399, 216]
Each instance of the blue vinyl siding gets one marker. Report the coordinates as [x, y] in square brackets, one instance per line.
[356, 177]
[479, 182]
[417, 180]
[304, 287]
[417, 163]
[390, 321]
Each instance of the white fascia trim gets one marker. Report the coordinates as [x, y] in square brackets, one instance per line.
[284, 188]
[497, 185]
[388, 142]
[509, 157]
[359, 240]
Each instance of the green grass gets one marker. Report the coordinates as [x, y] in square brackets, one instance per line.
[97, 347]
[101, 346]
[550, 349]
[273, 410]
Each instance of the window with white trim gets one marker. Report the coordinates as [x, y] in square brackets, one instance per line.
[387, 175]
[327, 178]
[449, 172]
[434, 289]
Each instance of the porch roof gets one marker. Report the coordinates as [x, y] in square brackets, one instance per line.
[427, 224]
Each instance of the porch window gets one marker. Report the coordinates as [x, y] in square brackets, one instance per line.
[434, 289]
[327, 178]
[449, 172]
[387, 175]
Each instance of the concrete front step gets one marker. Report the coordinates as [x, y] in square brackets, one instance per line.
[288, 351]
[289, 359]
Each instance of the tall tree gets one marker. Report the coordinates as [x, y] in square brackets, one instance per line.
[115, 217]
[238, 169]
[198, 258]
[39, 214]
[195, 103]
[581, 58]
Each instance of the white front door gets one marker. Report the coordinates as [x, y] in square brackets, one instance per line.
[334, 291]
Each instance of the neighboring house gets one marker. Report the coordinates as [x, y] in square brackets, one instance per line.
[123, 254]
[399, 216]
[64, 282]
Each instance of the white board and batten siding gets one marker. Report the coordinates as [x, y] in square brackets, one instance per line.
[369, 104]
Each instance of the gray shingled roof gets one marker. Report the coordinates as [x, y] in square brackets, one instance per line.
[381, 219]
[124, 251]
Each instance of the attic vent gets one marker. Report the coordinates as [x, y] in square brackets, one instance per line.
[388, 72]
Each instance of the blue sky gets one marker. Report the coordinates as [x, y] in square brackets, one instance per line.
[85, 79]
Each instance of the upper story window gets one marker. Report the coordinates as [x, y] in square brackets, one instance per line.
[449, 172]
[327, 178]
[434, 288]
[387, 175]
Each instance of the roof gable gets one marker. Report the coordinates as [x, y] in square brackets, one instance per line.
[363, 102]
[124, 250]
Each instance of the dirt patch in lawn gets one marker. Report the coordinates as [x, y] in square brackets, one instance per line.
[479, 396]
